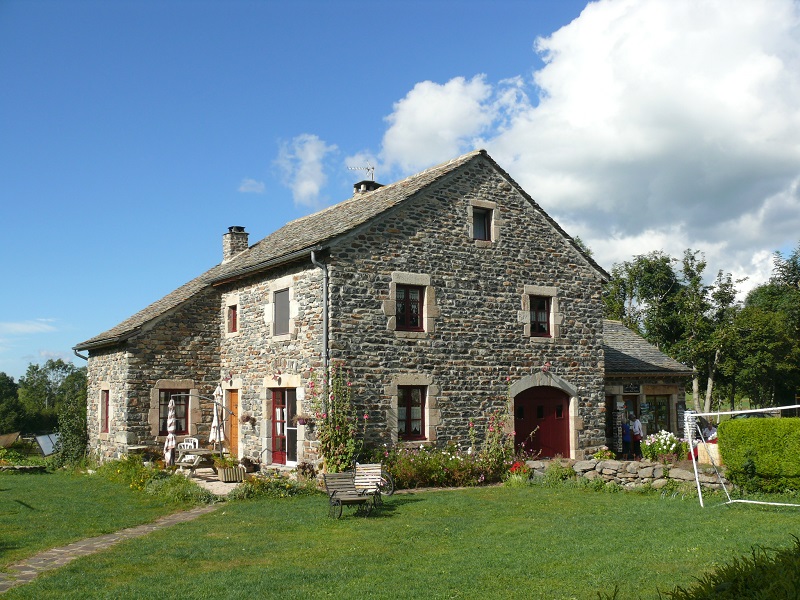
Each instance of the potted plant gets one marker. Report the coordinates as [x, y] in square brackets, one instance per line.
[302, 419]
[228, 469]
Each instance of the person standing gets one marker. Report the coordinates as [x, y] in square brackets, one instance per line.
[636, 431]
[626, 439]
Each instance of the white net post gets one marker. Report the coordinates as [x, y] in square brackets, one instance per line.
[689, 425]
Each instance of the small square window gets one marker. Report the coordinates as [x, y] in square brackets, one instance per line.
[232, 319]
[540, 316]
[411, 412]
[409, 313]
[481, 224]
[281, 321]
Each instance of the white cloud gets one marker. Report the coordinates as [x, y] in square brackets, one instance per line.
[656, 126]
[27, 327]
[251, 186]
[435, 121]
[302, 163]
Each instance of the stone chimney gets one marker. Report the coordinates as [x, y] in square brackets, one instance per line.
[233, 242]
[362, 187]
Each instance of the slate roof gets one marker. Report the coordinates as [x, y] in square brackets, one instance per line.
[297, 238]
[628, 353]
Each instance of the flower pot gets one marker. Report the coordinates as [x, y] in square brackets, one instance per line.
[230, 474]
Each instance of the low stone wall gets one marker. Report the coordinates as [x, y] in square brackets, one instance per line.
[629, 474]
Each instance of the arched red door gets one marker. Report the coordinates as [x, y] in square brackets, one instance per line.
[548, 409]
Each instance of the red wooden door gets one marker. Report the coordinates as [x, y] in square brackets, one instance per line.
[548, 409]
[279, 419]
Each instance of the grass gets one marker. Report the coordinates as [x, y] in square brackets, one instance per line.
[41, 511]
[496, 542]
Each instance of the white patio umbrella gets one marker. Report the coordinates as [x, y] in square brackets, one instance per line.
[169, 443]
[217, 434]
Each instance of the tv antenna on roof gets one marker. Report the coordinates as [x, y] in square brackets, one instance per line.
[369, 169]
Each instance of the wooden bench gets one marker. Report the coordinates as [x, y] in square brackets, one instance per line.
[341, 490]
[367, 479]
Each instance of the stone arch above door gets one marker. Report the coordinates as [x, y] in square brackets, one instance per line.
[540, 379]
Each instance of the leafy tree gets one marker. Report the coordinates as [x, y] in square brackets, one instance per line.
[40, 393]
[642, 295]
[72, 421]
[11, 411]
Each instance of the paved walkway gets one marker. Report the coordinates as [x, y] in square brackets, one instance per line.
[29, 569]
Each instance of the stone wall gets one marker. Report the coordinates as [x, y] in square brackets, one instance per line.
[181, 346]
[475, 346]
[256, 360]
[629, 474]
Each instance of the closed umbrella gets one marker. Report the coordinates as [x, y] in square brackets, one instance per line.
[217, 434]
[169, 443]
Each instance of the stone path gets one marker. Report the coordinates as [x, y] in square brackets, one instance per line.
[29, 569]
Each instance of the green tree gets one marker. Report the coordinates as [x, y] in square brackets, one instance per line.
[72, 422]
[41, 392]
[11, 411]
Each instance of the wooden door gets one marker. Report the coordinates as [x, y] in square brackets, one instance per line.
[233, 421]
[547, 409]
[279, 420]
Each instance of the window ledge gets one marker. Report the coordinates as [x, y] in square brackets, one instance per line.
[411, 335]
[411, 444]
[483, 243]
[284, 337]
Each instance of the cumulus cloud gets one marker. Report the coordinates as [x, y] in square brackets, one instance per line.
[302, 164]
[27, 327]
[653, 126]
[251, 186]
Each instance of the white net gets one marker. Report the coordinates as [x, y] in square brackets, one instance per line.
[694, 433]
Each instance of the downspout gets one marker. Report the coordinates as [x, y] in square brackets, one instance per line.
[325, 354]
[80, 355]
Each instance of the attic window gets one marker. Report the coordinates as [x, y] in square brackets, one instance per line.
[482, 224]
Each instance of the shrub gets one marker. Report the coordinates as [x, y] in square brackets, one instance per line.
[272, 486]
[169, 486]
[664, 446]
[179, 490]
[762, 454]
[336, 422]
[765, 574]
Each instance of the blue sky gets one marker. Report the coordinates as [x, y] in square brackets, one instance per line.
[132, 134]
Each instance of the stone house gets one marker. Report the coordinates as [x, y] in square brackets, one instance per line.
[443, 295]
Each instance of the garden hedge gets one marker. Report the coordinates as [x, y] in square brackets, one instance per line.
[762, 454]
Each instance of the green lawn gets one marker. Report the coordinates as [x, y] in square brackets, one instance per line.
[497, 542]
[46, 510]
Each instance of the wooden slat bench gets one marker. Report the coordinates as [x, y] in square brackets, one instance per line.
[342, 491]
[367, 479]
